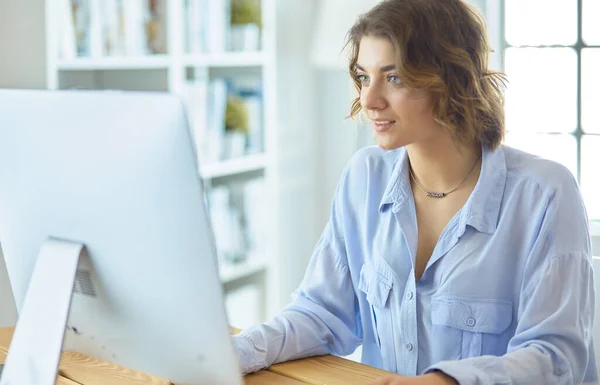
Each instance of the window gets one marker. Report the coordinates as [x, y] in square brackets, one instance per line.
[552, 60]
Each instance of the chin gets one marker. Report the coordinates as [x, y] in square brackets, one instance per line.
[389, 145]
[391, 139]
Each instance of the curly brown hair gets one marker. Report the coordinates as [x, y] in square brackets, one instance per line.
[442, 47]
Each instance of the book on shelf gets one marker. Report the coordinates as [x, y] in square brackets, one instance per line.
[135, 19]
[217, 32]
[248, 91]
[215, 133]
[223, 25]
[114, 40]
[226, 222]
[252, 99]
[156, 27]
[207, 25]
[245, 25]
[195, 97]
[67, 43]
[254, 219]
[98, 28]
[226, 119]
[196, 17]
[237, 217]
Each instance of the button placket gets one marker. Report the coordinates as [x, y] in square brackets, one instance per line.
[408, 338]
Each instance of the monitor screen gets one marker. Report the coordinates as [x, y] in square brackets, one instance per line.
[117, 173]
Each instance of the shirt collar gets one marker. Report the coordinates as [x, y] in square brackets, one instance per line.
[483, 206]
[398, 187]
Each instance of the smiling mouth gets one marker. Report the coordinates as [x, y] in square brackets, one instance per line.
[383, 125]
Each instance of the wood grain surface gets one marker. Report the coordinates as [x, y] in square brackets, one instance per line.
[329, 370]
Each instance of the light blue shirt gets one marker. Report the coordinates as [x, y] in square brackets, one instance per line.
[506, 298]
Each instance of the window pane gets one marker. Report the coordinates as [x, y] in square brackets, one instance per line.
[560, 148]
[590, 178]
[541, 95]
[590, 99]
[541, 22]
[591, 27]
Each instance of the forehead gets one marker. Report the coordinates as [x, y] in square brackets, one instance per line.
[375, 52]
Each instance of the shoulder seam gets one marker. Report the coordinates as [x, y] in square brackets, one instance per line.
[550, 261]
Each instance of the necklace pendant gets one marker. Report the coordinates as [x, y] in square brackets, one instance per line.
[436, 195]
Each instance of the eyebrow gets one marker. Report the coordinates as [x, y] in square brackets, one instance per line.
[382, 69]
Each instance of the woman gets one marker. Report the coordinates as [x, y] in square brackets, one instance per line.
[449, 257]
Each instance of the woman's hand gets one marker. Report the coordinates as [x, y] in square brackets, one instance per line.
[437, 378]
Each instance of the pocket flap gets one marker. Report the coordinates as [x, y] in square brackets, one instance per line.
[375, 285]
[479, 315]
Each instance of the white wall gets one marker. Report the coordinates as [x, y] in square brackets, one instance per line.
[338, 137]
[295, 147]
[22, 51]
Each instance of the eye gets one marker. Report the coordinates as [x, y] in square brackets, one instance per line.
[394, 79]
[362, 78]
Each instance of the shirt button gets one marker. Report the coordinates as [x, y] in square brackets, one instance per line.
[409, 347]
[409, 295]
[471, 322]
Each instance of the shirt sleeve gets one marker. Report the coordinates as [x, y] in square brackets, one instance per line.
[323, 316]
[551, 345]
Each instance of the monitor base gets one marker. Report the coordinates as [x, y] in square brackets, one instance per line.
[34, 352]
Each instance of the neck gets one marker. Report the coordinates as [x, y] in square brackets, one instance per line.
[440, 166]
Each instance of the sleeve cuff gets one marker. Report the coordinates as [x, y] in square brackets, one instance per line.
[250, 357]
[457, 372]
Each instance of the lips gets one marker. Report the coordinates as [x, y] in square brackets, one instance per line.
[381, 125]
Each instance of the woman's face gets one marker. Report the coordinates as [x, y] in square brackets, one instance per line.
[399, 115]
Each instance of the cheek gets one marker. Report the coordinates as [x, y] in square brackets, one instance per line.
[421, 109]
[426, 105]
[362, 99]
[408, 109]
[400, 103]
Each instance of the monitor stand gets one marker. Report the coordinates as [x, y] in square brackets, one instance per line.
[36, 345]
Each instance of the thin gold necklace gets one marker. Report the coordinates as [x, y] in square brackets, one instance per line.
[439, 195]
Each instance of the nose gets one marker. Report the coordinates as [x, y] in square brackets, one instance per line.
[372, 97]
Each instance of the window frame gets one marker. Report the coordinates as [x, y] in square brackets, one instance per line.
[578, 47]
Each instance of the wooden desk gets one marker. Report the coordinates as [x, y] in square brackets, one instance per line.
[77, 369]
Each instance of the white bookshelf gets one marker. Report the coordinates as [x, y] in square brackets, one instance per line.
[226, 59]
[115, 63]
[170, 72]
[231, 273]
[234, 167]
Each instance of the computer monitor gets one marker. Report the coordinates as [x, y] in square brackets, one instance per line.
[100, 195]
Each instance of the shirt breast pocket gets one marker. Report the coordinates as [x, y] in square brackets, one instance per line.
[376, 282]
[460, 323]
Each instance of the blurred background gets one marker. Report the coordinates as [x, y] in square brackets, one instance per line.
[267, 91]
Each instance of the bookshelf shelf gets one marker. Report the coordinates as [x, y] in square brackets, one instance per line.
[115, 63]
[225, 59]
[234, 166]
[234, 272]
